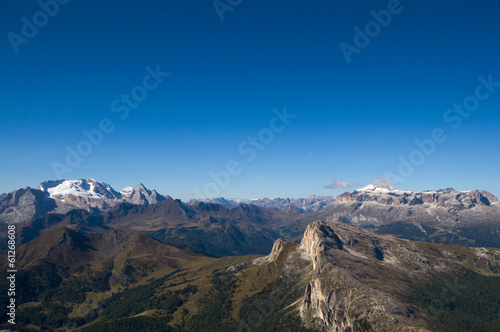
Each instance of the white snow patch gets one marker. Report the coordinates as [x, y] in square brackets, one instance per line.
[84, 188]
[371, 188]
[127, 192]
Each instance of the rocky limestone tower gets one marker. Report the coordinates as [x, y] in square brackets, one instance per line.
[277, 249]
[340, 295]
[318, 238]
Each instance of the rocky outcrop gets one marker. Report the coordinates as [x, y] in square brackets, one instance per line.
[276, 251]
[358, 278]
[24, 204]
[317, 239]
[140, 195]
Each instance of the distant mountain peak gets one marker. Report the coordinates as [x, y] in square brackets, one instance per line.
[127, 192]
[376, 186]
[143, 196]
[380, 189]
[88, 188]
[142, 187]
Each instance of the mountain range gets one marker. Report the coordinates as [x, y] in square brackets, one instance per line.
[312, 203]
[468, 218]
[442, 216]
[374, 259]
[61, 196]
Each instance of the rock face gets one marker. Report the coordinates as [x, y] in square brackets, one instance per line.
[318, 239]
[358, 278]
[140, 195]
[24, 204]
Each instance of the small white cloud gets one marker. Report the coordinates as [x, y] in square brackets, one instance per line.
[341, 184]
[383, 181]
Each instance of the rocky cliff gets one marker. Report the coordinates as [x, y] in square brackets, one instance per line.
[444, 198]
[358, 278]
[24, 204]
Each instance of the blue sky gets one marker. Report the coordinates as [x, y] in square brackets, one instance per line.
[351, 121]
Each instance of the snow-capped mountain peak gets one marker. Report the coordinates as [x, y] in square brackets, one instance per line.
[381, 189]
[93, 195]
[127, 192]
[88, 188]
[374, 187]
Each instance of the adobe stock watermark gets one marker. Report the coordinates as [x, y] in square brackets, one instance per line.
[30, 27]
[454, 116]
[248, 148]
[372, 29]
[121, 106]
[223, 6]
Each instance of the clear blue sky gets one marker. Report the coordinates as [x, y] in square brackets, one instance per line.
[353, 120]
